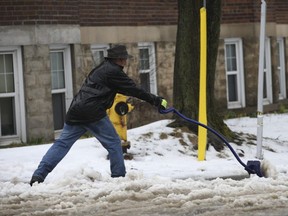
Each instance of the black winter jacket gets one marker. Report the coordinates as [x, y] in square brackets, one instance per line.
[98, 92]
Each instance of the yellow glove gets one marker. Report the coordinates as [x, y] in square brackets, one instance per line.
[164, 104]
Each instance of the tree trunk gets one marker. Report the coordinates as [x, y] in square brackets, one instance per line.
[186, 69]
[187, 66]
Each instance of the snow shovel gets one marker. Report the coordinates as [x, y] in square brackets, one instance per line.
[252, 167]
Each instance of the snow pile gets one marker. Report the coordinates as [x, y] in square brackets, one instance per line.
[164, 177]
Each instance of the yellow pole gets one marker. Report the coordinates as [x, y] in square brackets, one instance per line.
[202, 132]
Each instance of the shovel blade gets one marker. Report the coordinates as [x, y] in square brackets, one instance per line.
[254, 167]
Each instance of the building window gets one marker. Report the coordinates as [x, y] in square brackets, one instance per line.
[12, 109]
[62, 94]
[98, 53]
[234, 73]
[267, 74]
[281, 68]
[147, 67]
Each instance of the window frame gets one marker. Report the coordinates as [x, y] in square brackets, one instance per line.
[18, 95]
[152, 62]
[267, 74]
[240, 103]
[68, 90]
[98, 47]
[281, 68]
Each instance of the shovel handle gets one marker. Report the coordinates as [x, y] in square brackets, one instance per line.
[172, 109]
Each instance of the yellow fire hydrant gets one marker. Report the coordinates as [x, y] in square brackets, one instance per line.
[117, 114]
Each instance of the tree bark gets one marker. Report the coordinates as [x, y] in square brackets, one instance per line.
[187, 66]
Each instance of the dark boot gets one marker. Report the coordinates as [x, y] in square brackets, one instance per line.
[36, 179]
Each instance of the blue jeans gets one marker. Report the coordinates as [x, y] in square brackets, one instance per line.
[103, 130]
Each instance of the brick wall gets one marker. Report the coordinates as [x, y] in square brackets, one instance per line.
[127, 12]
[238, 11]
[280, 11]
[88, 12]
[243, 11]
[33, 12]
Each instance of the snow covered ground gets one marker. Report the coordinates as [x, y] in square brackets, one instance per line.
[164, 178]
